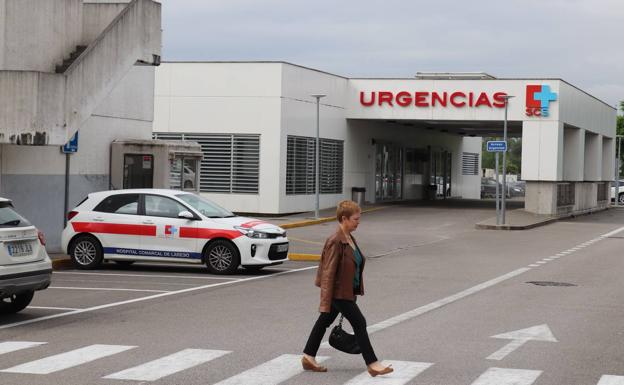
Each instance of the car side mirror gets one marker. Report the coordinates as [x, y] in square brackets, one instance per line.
[186, 215]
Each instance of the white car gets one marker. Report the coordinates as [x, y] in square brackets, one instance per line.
[24, 263]
[168, 226]
[620, 193]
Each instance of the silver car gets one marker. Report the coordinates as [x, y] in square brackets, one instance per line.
[25, 266]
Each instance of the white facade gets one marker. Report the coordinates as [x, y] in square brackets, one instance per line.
[574, 143]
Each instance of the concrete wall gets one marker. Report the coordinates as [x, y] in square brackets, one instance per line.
[31, 175]
[97, 16]
[37, 35]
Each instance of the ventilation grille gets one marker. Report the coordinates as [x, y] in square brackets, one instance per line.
[470, 163]
[300, 168]
[231, 163]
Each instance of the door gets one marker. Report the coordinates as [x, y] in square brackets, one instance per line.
[138, 171]
[388, 172]
[170, 240]
[117, 224]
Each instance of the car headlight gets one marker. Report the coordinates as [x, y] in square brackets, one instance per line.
[252, 233]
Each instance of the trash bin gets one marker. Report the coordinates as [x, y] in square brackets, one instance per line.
[358, 194]
[431, 192]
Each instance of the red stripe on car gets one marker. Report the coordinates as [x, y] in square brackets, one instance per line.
[191, 232]
[114, 228]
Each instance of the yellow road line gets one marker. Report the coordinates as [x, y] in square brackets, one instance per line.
[304, 257]
[323, 220]
[306, 241]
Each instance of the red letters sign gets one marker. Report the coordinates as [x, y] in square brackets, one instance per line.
[433, 99]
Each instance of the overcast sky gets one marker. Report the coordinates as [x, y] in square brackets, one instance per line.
[580, 41]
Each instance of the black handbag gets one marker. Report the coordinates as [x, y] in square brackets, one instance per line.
[343, 341]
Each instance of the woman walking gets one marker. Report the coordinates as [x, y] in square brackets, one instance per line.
[340, 278]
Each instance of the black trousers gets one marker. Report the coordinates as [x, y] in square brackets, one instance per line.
[352, 313]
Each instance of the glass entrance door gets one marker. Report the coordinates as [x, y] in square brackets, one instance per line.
[388, 172]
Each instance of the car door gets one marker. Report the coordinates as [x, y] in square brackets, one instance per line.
[116, 222]
[162, 212]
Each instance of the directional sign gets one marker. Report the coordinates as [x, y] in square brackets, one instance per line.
[496, 146]
[520, 337]
[71, 147]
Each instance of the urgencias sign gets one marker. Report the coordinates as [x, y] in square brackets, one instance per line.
[457, 99]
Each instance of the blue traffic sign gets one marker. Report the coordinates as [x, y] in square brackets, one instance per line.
[71, 147]
[496, 146]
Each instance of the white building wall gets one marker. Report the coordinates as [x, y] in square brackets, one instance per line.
[227, 98]
[299, 118]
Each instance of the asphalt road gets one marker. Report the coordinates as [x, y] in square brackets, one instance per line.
[437, 291]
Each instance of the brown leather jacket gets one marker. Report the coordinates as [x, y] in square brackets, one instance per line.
[337, 270]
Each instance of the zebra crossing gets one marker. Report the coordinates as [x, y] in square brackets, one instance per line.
[275, 371]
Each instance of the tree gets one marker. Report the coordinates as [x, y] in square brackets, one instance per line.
[514, 156]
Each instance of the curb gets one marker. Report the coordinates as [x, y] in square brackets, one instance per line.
[304, 257]
[312, 222]
[62, 264]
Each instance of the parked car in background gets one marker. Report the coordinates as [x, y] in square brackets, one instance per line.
[619, 194]
[160, 225]
[25, 266]
[488, 188]
[517, 188]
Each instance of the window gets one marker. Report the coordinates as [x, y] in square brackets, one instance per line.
[119, 204]
[204, 206]
[138, 171]
[231, 163]
[9, 218]
[470, 163]
[300, 167]
[565, 194]
[159, 206]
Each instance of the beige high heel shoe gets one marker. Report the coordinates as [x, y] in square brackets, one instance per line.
[386, 370]
[309, 365]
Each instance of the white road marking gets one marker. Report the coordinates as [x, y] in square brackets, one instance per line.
[611, 380]
[141, 275]
[168, 365]
[502, 376]
[181, 291]
[541, 262]
[520, 337]
[53, 308]
[404, 372]
[548, 259]
[534, 265]
[106, 289]
[12, 346]
[68, 360]
[445, 301]
[271, 372]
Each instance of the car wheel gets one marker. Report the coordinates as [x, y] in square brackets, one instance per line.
[222, 257]
[124, 263]
[86, 252]
[621, 198]
[16, 302]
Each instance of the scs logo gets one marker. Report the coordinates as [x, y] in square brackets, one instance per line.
[538, 97]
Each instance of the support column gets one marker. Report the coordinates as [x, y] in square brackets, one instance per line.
[608, 158]
[573, 153]
[592, 157]
[542, 164]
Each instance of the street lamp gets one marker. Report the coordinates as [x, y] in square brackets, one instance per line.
[317, 154]
[506, 97]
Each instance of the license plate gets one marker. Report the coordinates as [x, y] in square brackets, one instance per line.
[282, 248]
[19, 249]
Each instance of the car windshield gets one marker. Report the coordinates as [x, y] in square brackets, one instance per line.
[10, 218]
[204, 206]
